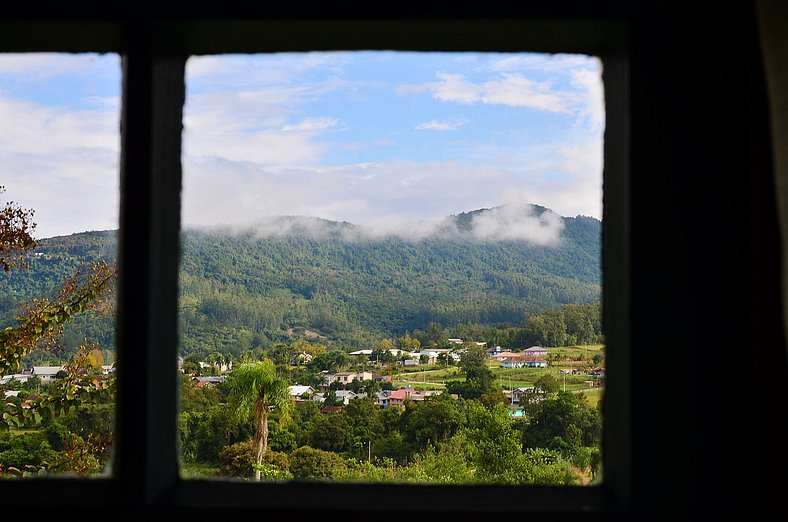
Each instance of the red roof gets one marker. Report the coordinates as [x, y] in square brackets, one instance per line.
[399, 394]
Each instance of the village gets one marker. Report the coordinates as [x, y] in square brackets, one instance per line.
[416, 376]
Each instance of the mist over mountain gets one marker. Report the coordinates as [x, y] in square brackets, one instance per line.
[352, 284]
[530, 223]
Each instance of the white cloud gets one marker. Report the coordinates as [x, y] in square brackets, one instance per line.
[26, 67]
[518, 222]
[393, 197]
[540, 62]
[591, 96]
[233, 72]
[246, 126]
[514, 90]
[62, 164]
[455, 88]
[312, 124]
[440, 125]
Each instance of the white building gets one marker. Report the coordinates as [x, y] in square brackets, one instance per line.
[47, 373]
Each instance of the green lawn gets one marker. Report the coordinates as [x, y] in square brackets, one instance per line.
[198, 471]
[431, 377]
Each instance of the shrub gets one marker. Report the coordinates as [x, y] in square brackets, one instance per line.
[310, 463]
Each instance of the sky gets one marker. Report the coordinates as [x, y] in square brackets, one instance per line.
[393, 141]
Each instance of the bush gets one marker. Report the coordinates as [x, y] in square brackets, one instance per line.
[237, 460]
[310, 463]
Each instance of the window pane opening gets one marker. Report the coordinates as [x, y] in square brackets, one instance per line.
[391, 268]
[59, 147]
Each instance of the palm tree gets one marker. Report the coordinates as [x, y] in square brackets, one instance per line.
[255, 389]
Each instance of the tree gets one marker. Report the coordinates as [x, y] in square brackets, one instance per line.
[408, 343]
[547, 383]
[332, 360]
[311, 463]
[564, 422]
[16, 241]
[256, 388]
[479, 378]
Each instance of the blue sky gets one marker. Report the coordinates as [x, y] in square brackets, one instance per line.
[383, 139]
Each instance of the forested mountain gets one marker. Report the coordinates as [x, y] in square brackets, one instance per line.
[246, 288]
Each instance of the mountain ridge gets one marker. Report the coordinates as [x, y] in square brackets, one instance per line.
[245, 288]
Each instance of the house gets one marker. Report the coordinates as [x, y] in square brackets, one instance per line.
[432, 355]
[346, 396]
[500, 356]
[19, 377]
[398, 397]
[210, 380]
[297, 392]
[345, 378]
[536, 351]
[523, 361]
[330, 409]
[47, 374]
[222, 367]
[304, 358]
[527, 395]
[599, 371]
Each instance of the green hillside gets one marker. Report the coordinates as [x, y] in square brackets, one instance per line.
[246, 288]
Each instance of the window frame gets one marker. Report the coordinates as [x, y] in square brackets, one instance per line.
[154, 52]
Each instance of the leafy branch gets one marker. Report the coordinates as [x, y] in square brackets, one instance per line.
[43, 321]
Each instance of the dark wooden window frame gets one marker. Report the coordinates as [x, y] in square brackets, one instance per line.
[145, 476]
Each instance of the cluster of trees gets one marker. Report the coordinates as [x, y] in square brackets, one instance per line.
[568, 325]
[439, 439]
[64, 427]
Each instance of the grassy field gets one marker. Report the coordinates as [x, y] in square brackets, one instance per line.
[191, 470]
[434, 377]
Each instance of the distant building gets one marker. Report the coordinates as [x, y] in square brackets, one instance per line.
[47, 374]
[397, 398]
[298, 391]
[536, 351]
[348, 377]
[19, 377]
[345, 396]
[523, 361]
[208, 380]
[361, 352]
[500, 356]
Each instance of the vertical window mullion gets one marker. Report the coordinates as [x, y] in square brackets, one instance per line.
[616, 433]
[145, 462]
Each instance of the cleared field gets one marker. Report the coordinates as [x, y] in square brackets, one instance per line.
[578, 358]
